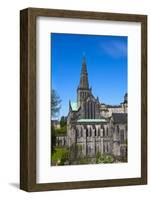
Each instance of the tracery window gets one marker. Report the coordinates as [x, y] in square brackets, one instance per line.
[122, 136]
[107, 131]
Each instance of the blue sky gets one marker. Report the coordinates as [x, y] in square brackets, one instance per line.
[106, 58]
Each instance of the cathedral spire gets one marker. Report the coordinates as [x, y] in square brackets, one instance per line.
[84, 84]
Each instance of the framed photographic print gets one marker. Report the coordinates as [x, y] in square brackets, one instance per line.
[83, 99]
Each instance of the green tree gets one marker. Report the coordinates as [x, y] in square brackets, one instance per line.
[63, 121]
[53, 138]
[61, 131]
[55, 103]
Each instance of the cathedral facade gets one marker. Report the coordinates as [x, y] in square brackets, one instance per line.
[94, 127]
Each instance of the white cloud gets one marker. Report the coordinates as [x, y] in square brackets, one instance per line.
[115, 49]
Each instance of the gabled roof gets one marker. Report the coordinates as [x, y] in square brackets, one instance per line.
[90, 98]
[113, 106]
[119, 118]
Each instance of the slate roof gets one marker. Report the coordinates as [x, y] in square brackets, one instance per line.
[119, 118]
[113, 106]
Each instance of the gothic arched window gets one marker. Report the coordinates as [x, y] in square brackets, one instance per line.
[81, 131]
[95, 131]
[107, 131]
[78, 132]
[86, 131]
[104, 150]
[90, 132]
[89, 149]
[103, 130]
[91, 110]
[122, 136]
[118, 129]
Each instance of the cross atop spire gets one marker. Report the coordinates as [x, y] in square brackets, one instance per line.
[84, 84]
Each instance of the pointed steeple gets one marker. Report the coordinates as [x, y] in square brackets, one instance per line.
[84, 84]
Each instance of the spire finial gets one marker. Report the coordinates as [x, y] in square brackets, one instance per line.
[84, 59]
[84, 75]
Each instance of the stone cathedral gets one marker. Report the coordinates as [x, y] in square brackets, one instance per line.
[94, 127]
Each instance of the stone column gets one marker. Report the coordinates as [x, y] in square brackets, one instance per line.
[78, 132]
[101, 146]
[104, 130]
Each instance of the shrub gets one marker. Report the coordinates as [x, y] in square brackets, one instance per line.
[60, 156]
[104, 158]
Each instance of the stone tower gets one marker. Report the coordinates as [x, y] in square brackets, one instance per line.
[88, 104]
[83, 90]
